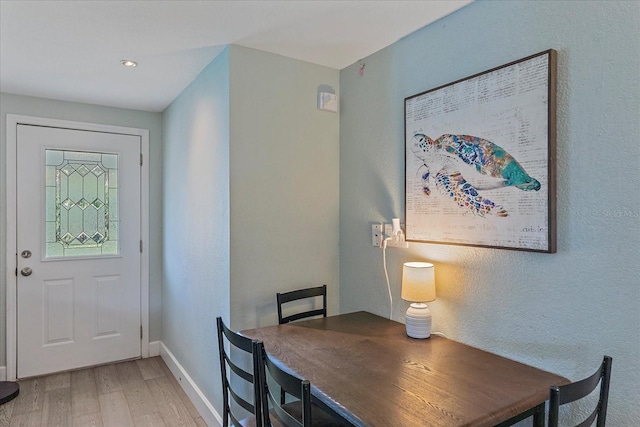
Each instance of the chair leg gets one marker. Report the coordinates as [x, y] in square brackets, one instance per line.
[538, 416]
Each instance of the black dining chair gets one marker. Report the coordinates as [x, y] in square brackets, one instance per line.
[230, 387]
[300, 294]
[299, 413]
[559, 395]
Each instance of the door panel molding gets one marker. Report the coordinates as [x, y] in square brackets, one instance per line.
[13, 121]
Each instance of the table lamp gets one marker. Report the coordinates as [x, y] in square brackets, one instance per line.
[418, 286]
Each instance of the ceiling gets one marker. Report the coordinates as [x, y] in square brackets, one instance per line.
[71, 50]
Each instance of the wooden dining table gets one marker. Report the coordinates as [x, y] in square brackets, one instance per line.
[364, 369]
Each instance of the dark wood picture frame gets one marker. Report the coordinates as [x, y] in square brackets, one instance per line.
[480, 159]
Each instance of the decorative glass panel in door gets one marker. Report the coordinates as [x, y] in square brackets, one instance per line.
[81, 204]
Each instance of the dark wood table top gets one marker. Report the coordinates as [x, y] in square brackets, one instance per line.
[366, 369]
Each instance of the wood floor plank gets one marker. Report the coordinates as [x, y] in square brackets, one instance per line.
[57, 381]
[149, 420]
[171, 407]
[165, 368]
[107, 380]
[178, 387]
[30, 397]
[128, 373]
[169, 374]
[188, 404]
[5, 413]
[150, 368]
[28, 419]
[88, 420]
[139, 399]
[84, 392]
[83, 380]
[56, 410]
[114, 410]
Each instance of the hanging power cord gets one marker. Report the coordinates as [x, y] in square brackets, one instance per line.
[398, 241]
[384, 264]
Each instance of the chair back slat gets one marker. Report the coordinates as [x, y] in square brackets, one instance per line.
[241, 401]
[298, 316]
[285, 380]
[243, 343]
[247, 376]
[560, 395]
[283, 417]
[579, 389]
[588, 422]
[303, 293]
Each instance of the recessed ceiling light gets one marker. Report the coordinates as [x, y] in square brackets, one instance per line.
[129, 63]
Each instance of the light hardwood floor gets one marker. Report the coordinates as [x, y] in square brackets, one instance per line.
[140, 393]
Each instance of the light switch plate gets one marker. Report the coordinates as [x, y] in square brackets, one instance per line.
[376, 234]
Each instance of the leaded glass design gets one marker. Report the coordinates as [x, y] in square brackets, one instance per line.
[81, 203]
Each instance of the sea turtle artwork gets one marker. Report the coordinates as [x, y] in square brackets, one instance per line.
[486, 166]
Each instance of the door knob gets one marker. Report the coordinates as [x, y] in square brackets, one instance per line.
[26, 271]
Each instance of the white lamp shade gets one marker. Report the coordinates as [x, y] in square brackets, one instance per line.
[418, 282]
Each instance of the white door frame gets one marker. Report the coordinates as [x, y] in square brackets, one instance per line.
[13, 121]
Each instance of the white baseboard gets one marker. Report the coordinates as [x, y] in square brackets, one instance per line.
[154, 348]
[3, 373]
[199, 400]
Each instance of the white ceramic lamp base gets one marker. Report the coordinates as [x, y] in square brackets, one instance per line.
[418, 320]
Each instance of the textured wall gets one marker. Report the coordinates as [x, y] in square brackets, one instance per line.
[196, 224]
[560, 312]
[250, 200]
[62, 110]
[284, 183]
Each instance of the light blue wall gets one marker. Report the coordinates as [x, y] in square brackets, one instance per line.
[250, 200]
[196, 224]
[560, 312]
[72, 111]
[284, 184]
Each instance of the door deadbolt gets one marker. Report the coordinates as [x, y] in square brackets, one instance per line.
[26, 254]
[26, 271]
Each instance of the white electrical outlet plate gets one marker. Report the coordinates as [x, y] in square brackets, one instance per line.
[394, 244]
[391, 243]
[388, 229]
[376, 234]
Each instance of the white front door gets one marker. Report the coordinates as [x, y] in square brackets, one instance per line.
[78, 248]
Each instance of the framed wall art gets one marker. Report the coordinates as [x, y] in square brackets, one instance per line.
[480, 159]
